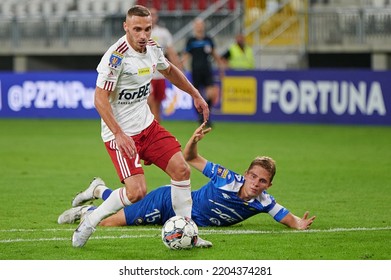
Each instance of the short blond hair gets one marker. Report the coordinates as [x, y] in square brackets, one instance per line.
[265, 162]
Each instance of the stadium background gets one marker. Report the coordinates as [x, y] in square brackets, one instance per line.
[322, 61]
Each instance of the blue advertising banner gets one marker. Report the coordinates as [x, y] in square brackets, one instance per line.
[47, 95]
[313, 96]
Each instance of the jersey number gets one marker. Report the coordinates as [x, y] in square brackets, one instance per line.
[137, 161]
[153, 217]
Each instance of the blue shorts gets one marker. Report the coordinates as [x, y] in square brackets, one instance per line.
[154, 209]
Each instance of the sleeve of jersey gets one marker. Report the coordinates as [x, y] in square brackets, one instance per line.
[209, 169]
[109, 69]
[278, 212]
[162, 62]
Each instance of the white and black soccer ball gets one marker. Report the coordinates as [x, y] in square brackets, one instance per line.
[179, 233]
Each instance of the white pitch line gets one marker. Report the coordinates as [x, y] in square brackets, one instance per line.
[69, 238]
[157, 230]
[212, 231]
[72, 229]
[202, 229]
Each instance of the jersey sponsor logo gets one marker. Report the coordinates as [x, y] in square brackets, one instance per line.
[130, 73]
[144, 71]
[126, 95]
[225, 212]
[225, 216]
[115, 59]
[222, 172]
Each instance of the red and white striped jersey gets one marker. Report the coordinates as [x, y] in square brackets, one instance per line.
[127, 75]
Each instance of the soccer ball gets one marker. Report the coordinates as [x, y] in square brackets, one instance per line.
[179, 233]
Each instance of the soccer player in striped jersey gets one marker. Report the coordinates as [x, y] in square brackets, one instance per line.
[128, 128]
[228, 198]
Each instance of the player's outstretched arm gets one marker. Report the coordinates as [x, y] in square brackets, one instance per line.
[295, 222]
[190, 152]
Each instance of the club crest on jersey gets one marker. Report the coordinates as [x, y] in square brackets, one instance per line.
[222, 172]
[115, 59]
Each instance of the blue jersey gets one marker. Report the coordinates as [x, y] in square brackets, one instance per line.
[215, 204]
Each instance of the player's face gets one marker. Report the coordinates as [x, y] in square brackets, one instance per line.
[257, 180]
[138, 31]
[199, 28]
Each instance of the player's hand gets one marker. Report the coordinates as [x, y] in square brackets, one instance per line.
[305, 222]
[200, 132]
[202, 107]
[125, 145]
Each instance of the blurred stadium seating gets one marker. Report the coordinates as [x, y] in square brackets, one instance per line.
[283, 33]
[21, 8]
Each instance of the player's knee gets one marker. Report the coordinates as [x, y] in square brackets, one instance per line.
[136, 193]
[182, 172]
[135, 187]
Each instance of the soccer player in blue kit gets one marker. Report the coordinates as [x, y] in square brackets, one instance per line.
[228, 198]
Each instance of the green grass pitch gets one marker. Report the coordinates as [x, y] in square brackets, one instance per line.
[341, 174]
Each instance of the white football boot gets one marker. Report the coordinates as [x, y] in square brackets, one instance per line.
[72, 215]
[83, 232]
[88, 194]
[201, 243]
